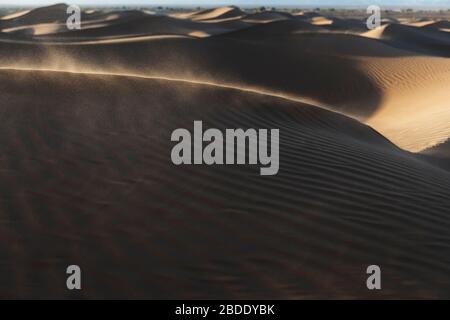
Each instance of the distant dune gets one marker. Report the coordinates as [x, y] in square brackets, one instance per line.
[231, 12]
[86, 175]
[51, 14]
[417, 39]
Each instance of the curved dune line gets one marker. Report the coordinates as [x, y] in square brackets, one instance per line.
[307, 101]
[126, 39]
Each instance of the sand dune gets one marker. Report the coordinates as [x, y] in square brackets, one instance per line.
[442, 150]
[417, 39]
[83, 142]
[321, 21]
[350, 74]
[14, 15]
[334, 23]
[414, 113]
[267, 16]
[118, 26]
[441, 24]
[40, 20]
[37, 23]
[228, 60]
[149, 24]
[367, 89]
[348, 25]
[86, 175]
[221, 13]
[309, 15]
[438, 155]
[279, 28]
[130, 23]
[51, 14]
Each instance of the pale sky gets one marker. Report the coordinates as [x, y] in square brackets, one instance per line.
[352, 3]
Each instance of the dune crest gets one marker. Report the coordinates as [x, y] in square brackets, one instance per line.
[231, 12]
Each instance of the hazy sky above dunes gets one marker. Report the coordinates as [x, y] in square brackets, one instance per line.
[407, 3]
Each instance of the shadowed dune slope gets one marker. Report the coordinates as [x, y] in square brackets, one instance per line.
[282, 28]
[438, 155]
[86, 176]
[48, 19]
[418, 39]
[150, 25]
[441, 24]
[51, 20]
[55, 13]
[50, 23]
[313, 66]
[441, 150]
[267, 16]
[348, 25]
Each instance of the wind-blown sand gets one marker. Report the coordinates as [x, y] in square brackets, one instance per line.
[87, 179]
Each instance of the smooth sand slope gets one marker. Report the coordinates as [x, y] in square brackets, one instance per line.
[86, 175]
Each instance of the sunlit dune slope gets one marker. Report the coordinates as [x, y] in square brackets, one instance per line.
[415, 110]
[220, 13]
